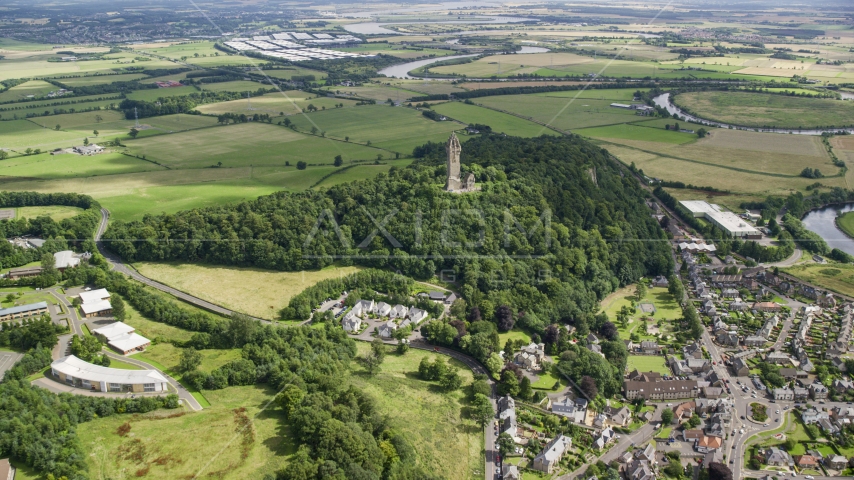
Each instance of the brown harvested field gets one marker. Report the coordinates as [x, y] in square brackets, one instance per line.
[765, 142]
[261, 293]
[485, 85]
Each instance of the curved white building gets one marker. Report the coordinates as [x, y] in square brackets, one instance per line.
[79, 374]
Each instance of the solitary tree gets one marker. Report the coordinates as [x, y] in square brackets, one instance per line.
[506, 444]
[190, 360]
[57, 126]
[95, 132]
[86, 141]
[301, 165]
[667, 416]
[133, 132]
[338, 160]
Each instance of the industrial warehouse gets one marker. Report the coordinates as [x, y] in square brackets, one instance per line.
[729, 222]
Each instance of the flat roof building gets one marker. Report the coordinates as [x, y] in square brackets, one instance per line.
[79, 374]
[66, 259]
[23, 311]
[726, 221]
[122, 338]
[24, 272]
[96, 303]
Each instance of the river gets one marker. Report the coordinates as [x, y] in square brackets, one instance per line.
[663, 100]
[822, 222]
[402, 70]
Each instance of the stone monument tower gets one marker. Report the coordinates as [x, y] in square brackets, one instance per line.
[453, 150]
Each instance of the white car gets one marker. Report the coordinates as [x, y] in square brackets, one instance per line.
[777, 412]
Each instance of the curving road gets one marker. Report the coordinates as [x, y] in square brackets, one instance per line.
[119, 266]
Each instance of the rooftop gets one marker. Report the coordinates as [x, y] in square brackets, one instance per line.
[94, 295]
[23, 308]
[77, 368]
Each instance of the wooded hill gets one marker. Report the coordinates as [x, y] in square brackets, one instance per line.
[600, 234]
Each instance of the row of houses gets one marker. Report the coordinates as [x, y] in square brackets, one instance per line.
[21, 312]
[640, 465]
[832, 422]
[777, 457]
[353, 319]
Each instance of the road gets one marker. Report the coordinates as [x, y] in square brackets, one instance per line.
[119, 266]
[182, 392]
[796, 256]
[639, 437]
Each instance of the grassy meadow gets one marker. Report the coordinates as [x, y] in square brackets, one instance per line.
[761, 109]
[836, 277]
[448, 443]
[398, 129]
[56, 212]
[289, 102]
[647, 363]
[261, 293]
[499, 121]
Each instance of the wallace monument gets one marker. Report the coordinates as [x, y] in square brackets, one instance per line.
[454, 184]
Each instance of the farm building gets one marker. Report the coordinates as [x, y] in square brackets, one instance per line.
[23, 311]
[79, 374]
[91, 149]
[122, 338]
[726, 221]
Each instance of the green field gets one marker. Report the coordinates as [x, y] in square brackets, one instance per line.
[647, 363]
[845, 222]
[514, 334]
[49, 166]
[360, 172]
[562, 113]
[836, 277]
[398, 129]
[170, 444]
[499, 122]
[89, 80]
[261, 293]
[288, 102]
[55, 212]
[233, 86]
[152, 94]
[290, 71]
[38, 88]
[246, 144]
[639, 132]
[761, 109]
[449, 444]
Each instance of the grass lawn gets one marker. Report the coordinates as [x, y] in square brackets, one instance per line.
[47, 166]
[123, 365]
[762, 109]
[168, 356]
[547, 381]
[515, 334]
[181, 446]
[151, 329]
[664, 432]
[257, 292]
[665, 305]
[500, 122]
[448, 443]
[647, 363]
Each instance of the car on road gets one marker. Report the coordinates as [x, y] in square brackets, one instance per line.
[810, 477]
[742, 417]
[777, 412]
[765, 425]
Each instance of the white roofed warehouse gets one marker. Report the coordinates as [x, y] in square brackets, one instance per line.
[729, 222]
[79, 374]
